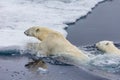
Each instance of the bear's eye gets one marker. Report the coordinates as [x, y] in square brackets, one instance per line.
[37, 30]
[107, 44]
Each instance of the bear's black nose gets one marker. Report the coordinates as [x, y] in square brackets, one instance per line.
[25, 33]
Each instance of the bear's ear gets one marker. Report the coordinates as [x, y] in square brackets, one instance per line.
[37, 30]
[107, 44]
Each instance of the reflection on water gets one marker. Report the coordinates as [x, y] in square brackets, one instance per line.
[37, 66]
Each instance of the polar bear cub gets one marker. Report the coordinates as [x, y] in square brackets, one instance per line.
[107, 47]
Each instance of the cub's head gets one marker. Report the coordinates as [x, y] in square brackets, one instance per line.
[105, 46]
[38, 32]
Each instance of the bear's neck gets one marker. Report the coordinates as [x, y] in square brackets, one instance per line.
[47, 35]
[42, 37]
[114, 49]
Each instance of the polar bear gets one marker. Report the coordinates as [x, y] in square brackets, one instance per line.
[54, 43]
[107, 47]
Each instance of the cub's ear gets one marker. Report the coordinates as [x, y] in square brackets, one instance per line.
[107, 44]
[37, 30]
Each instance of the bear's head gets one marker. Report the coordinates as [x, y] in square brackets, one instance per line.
[105, 46]
[32, 31]
[38, 32]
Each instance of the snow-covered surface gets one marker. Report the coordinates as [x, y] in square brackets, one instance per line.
[18, 15]
[14, 38]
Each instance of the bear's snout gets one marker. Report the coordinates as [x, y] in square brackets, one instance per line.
[26, 33]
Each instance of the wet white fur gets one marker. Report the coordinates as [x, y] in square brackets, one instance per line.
[107, 47]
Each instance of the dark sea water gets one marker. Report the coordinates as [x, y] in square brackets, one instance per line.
[102, 24]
